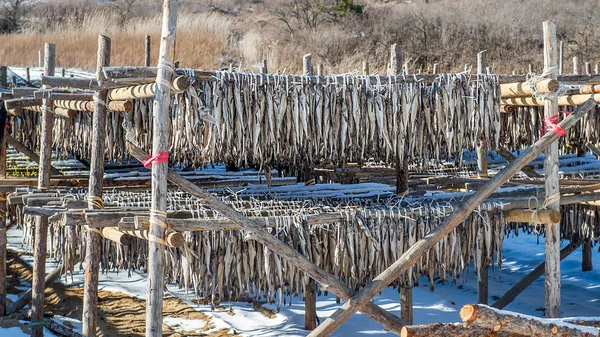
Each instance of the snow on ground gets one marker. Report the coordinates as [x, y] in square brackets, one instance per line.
[580, 296]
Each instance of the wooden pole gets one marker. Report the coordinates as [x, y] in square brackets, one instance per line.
[530, 68]
[365, 68]
[307, 65]
[588, 68]
[586, 256]
[147, 51]
[406, 299]
[597, 68]
[389, 321]
[576, 69]
[24, 299]
[3, 77]
[160, 144]
[41, 60]
[435, 68]
[552, 251]
[27, 75]
[396, 60]
[3, 239]
[482, 162]
[526, 281]
[264, 69]
[41, 226]
[561, 57]
[92, 256]
[320, 69]
[414, 253]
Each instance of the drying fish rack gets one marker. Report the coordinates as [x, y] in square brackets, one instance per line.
[269, 240]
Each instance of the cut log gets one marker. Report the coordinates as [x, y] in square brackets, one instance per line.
[173, 239]
[526, 281]
[449, 329]
[116, 236]
[180, 83]
[506, 321]
[507, 109]
[416, 251]
[511, 90]
[66, 113]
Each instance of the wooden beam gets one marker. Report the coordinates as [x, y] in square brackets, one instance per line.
[520, 89]
[92, 242]
[526, 281]
[528, 215]
[160, 144]
[180, 83]
[414, 253]
[30, 154]
[25, 299]
[552, 250]
[41, 225]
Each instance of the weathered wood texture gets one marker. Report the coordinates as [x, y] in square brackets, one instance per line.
[41, 225]
[528, 170]
[552, 249]
[92, 256]
[450, 329]
[499, 321]
[526, 281]
[25, 298]
[160, 143]
[521, 89]
[417, 250]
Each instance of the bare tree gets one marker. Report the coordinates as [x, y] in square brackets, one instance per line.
[125, 9]
[11, 14]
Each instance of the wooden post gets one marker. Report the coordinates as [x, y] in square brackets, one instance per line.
[320, 69]
[482, 162]
[576, 69]
[30, 154]
[41, 60]
[435, 68]
[27, 75]
[552, 253]
[263, 68]
[310, 305]
[416, 251]
[147, 51]
[307, 65]
[3, 239]
[396, 60]
[63, 71]
[526, 281]
[586, 255]
[530, 68]
[41, 226]
[588, 68]
[160, 144]
[406, 299]
[365, 68]
[13, 80]
[3, 77]
[561, 57]
[597, 68]
[92, 256]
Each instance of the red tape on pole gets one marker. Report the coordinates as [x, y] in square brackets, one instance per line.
[161, 157]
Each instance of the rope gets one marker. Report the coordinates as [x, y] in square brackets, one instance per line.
[154, 220]
[533, 79]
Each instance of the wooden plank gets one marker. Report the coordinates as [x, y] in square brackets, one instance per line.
[92, 242]
[552, 249]
[30, 154]
[160, 143]
[389, 321]
[41, 225]
[414, 253]
[526, 281]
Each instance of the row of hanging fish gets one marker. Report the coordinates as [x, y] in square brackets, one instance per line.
[244, 119]
[363, 243]
[524, 126]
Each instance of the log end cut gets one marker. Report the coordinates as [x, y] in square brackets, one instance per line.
[469, 313]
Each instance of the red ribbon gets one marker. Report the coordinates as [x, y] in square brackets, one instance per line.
[552, 124]
[161, 157]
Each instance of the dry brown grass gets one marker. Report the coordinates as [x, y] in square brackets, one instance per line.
[448, 32]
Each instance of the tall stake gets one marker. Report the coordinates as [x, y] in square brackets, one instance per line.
[552, 278]
[147, 51]
[41, 226]
[92, 256]
[482, 172]
[3, 121]
[561, 57]
[160, 143]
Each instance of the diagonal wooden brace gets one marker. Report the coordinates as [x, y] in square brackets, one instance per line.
[388, 320]
[414, 253]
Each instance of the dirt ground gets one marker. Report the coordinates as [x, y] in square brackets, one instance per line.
[118, 313]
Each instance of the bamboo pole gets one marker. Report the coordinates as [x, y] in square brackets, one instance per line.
[520, 89]
[552, 251]
[389, 321]
[92, 256]
[160, 143]
[41, 226]
[526, 281]
[414, 253]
